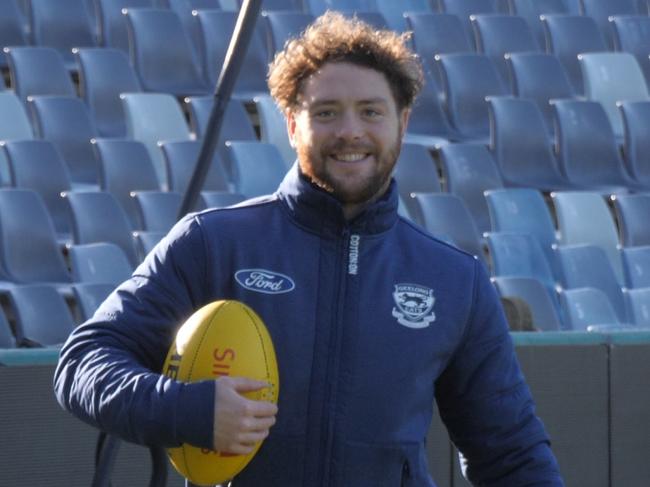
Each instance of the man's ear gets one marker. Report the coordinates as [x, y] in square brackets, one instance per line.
[404, 119]
[291, 127]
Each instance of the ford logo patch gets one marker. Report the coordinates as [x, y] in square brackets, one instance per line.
[264, 281]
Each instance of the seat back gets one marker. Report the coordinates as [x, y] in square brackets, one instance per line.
[89, 296]
[236, 124]
[465, 8]
[11, 27]
[394, 12]
[103, 75]
[633, 216]
[636, 266]
[180, 161]
[588, 307]
[638, 305]
[283, 25]
[531, 10]
[318, 7]
[112, 23]
[257, 167]
[273, 127]
[636, 124]
[99, 262]
[415, 172]
[601, 10]
[14, 124]
[221, 199]
[157, 210]
[631, 33]
[469, 171]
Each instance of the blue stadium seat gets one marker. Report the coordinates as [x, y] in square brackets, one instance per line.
[589, 309]
[112, 23]
[180, 160]
[609, 77]
[631, 33]
[62, 25]
[157, 210]
[638, 305]
[601, 10]
[447, 217]
[38, 71]
[185, 10]
[283, 25]
[523, 210]
[257, 167]
[588, 266]
[162, 54]
[104, 74]
[124, 167]
[587, 147]
[521, 145]
[100, 262]
[216, 28]
[469, 170]
[394, 12]
[318, 7]
[633, 217]
[14, 125]
[269, 5]
[415, 172]
[531, 10]
[636, 123]
[42, 316]
[29, 251]
[152, 118]
[37, 165]
[543, 307]
[146, 241]
[273, 127]
[7, 339]
[497, 35]
[98, 217]
[636, 266]
[465, 8]
[584, 218]
[541, 77]
[220, 199]
[89, 296]
[468, 80]
[570, 35]
[12, 32]
[236, 123]
[66, 122]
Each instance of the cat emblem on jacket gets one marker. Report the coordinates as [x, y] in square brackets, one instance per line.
[413, 305]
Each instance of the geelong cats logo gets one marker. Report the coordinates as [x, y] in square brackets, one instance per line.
[413, 305]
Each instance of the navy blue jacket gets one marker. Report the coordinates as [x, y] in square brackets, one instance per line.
[371, 319]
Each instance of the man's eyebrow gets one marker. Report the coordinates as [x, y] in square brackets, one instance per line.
[333, 101]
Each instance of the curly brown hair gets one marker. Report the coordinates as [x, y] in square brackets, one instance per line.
[332, 37]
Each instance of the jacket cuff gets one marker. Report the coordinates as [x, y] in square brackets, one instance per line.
[195, 416]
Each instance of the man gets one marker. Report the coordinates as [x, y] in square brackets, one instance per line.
[382, 318]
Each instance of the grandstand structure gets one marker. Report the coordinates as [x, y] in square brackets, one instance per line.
[529, 148]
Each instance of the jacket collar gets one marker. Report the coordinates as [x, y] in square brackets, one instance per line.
[320, 212]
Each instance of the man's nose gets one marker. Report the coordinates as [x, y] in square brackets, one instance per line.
[350, 127]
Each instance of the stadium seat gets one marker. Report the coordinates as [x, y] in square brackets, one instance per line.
[521, 146]
[589, 309]
[268, 5]
[601, 10]
[66, 122]
[531, 10]
[97, 217]
[543, 308]
[12, 31]
[89, 296]
[112, 23]
[157, 210]
[636, 266]
[318, 7]
[469, 170]
[236, 123]
[636, 124]
[99, 262]
[7, 339]
[609, 77]
[447, 217]
[497, 35]
[185, 10]
[542, 78]
[631, 33]
[216, 28]
[587, 147]
[283, 25]
[257, 167]
[638, 305]
[394, 12]
[38, 71]
[468, 80]
[14, 124]
[584, 218]
[570, 35]
[37, 165]
[180, 160]
[124, 167]
[633, 217]
[523, 210]
[42, 316]
[162, 54]
[465, 8]
[415, 172]
[62, 25]
[104, 74]
[29, 252]
[375, 19]
[153, 118]
[146, 241]
[273, 127]
[220, 199]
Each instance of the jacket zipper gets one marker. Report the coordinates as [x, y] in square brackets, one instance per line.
[405, 473]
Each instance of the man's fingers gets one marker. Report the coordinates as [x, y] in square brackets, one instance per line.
[242, 384]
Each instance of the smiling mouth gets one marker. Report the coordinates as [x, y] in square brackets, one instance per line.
[349, 156]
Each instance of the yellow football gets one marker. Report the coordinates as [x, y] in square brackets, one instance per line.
[223, 338]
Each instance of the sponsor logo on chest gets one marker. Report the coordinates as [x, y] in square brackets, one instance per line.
[264, 281]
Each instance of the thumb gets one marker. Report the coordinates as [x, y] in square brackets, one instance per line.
[243, 384]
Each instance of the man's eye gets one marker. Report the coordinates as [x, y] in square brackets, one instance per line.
[324, 114]
[371, 113]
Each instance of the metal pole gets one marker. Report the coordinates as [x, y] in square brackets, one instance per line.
[232, 64]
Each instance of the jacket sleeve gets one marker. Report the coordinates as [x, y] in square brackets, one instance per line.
[487, 406]
[109, 369]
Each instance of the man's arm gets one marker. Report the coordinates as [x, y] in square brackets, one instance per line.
[487, 406]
